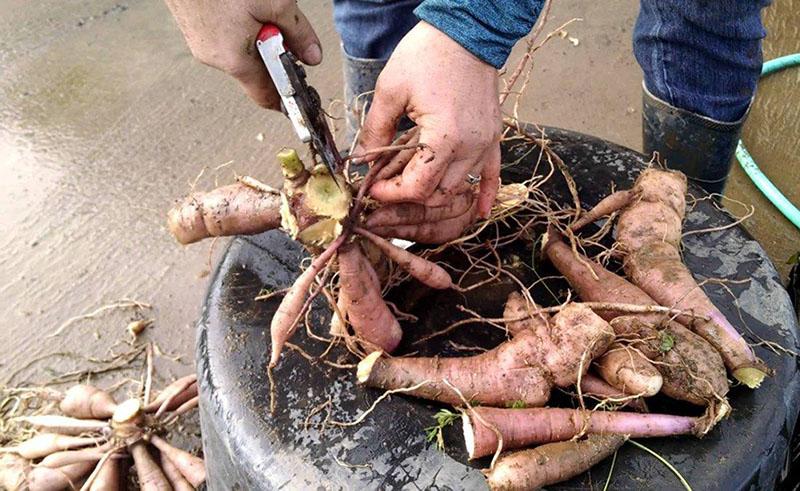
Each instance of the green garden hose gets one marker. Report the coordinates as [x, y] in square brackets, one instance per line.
[749, 165]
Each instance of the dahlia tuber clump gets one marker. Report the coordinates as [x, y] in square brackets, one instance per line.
[87, 447]
[330, 216]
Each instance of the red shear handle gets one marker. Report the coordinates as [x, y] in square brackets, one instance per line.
[267, 31]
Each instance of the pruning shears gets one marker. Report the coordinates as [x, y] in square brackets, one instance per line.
[299, 101]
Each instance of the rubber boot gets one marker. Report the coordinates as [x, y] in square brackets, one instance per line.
[360, 75]
[794, 293]
[700, 147]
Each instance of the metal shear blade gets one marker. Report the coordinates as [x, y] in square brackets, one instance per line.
[301, 103]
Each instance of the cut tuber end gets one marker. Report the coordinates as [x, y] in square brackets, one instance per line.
[652, 386]
[321, 233]
[364, 369]
[469, 435]
[312, 211]
[185, 221]
[749, 376]
[288, 220]
[511, 195]
[716, 411]
[127, 412]
[326, 196]
[545, 239]
[291, 165]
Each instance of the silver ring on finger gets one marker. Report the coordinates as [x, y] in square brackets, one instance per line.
[473, 179]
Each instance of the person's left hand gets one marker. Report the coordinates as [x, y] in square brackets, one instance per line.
[452, 97]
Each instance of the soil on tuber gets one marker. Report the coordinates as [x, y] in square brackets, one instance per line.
[523, 369]
[236, 209]
[551, 463]
[649, 230]
[367, 312]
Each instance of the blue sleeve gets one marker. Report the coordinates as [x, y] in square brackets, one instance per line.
[486, 28]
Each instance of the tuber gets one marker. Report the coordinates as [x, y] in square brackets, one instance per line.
[235, 209]
[177, 392]
[108, 476]
[628, 370]
[44, 444]
[658, 269]
[192, 468]
[608, 205]
[43, 478]
[551, 463]
[13, 471]
[650, 230]
[64, 425]
[174, 476]
[369, 315]
[427, 272]
[657, 213]
[524, 427]
[692, 370]
[597, 388]
[523, 369]
[286, 318]
[68, 457]
[87, 401]
[151, 478]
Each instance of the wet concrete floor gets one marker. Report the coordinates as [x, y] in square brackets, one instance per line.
[105, 119]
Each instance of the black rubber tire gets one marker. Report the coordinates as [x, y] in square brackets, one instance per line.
[247, 448]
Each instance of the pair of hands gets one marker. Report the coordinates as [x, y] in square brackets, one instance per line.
[449, 93]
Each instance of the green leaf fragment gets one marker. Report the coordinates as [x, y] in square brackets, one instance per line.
[667, 341]
[443, 418]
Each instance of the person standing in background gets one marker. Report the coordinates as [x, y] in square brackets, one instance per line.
[436, 61]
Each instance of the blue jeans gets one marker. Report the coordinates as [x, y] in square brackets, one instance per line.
[370, 29]
[703, 56]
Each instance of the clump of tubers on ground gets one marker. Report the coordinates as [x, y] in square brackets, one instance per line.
[86, 448]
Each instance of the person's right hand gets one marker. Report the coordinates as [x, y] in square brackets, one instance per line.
[222, 34]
